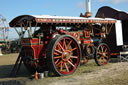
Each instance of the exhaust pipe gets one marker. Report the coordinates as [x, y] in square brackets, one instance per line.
[88, 8]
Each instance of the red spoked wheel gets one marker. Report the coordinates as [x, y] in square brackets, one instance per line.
[102, 54]
[63, 55]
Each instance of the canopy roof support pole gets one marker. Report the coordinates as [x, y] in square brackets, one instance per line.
[30, 30]
[17, 31]
[22, 32]
[35, 27]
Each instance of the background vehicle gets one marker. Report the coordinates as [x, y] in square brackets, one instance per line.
[117, 38]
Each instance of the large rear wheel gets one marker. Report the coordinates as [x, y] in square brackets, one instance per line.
[102, 54]
[63, 55]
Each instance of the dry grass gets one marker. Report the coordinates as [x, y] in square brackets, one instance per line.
[116, 75]
[90, 74]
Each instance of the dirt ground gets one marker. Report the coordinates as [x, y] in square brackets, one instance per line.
[90, 74]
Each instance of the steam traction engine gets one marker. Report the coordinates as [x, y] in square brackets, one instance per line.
[61, 44]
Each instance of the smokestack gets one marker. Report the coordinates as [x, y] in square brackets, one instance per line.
[88, 8]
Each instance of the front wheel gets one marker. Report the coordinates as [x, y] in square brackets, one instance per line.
[102, 54]
[63, 55]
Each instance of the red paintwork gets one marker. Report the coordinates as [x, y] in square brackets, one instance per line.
[75, 35]
[87, 33]
[87, 42]
[40, 47]
[87, 38]
[34, 44]
[37, 47]
[62, 31]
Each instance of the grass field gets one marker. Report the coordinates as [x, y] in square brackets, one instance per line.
[89, 74]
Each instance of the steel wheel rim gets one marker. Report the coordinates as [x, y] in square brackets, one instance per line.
[66, 56]
[103, 54]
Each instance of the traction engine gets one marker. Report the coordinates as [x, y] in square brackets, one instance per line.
[61, 44]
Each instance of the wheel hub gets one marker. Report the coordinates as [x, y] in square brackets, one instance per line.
[104, 54]
[66, 56]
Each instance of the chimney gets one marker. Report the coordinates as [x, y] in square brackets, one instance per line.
[88, 8]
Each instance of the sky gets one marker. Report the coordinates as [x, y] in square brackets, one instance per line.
[13, 8]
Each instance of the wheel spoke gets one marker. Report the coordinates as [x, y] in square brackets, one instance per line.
[64, 44]
[71, 54]
[58, 51]
[72, 64]
[100, 59]
[98, 56]
[55, 53]
[73, 57]
[73, 49]
[70, 60]
[106, 50]
[101, 62]
[66, 67]
[59, 63]
[106, 57]
[58, 47]
[102, 48]
[99, 50]
[57, 57]
[61, 46]
[61, 66]
[103, 59]
[99, 53]
[69, 44]
[56, 61]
